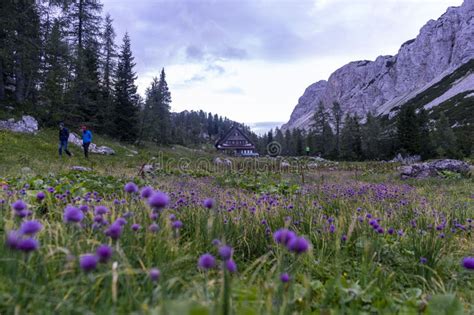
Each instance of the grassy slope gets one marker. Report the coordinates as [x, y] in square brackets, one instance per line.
[40, 154]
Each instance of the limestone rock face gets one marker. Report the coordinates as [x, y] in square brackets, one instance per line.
[378, 86]
[27, 124]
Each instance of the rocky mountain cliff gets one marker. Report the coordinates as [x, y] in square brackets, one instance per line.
[422, 64]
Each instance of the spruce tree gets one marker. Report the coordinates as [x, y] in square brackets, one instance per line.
[162, 111]
[351, 148]
[408, 130]
[125, 114]
[444, 138]
[108, 61]
[337, 114]
[371, 133]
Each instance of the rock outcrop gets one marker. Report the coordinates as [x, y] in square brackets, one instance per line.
[93, 148]
[27, 124]
[379, 86]
[433, 169]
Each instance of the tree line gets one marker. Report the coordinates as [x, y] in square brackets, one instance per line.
[59, 61]
[341, 136]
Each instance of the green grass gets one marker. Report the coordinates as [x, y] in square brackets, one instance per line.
[367, 273]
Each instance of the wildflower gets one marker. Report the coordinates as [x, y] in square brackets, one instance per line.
[172, 217]
[27, 245]
[283, 236]
[225, 252]
[121, 221]
[380, 230]
[84, 208]
[177, 224]
[298, 245]
[208, 203]
[72, 215]
[231, 266]
[344, 238]
[390, 231]
[332, 228]
[23, 213]
[468, 263]
[114, 231]
[158, 200]
[154, 274]
[13, 238]
[19, 205]
[216, 242]
[285, 277]
[100, 210]
[40, 196]
[104, 253]
[423, 260]
[154, 228]
[136, 227]
[146, 192]
[206, 261]
[130, 188]
[30, 227]
[88, 262]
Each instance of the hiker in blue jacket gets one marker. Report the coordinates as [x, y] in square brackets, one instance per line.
[63, 139]
[86, 140]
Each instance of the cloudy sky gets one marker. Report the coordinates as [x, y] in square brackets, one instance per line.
[251, 60]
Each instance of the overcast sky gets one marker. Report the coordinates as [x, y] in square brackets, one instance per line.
[252, 60]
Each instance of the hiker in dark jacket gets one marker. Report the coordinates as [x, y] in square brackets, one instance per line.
[63, 139]
[86, 140]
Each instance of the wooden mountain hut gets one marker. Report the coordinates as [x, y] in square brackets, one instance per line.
[236, 142]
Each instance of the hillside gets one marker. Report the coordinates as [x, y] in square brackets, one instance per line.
[444, 48]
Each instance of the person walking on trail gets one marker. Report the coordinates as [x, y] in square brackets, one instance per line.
[63, 139]
[86, 140]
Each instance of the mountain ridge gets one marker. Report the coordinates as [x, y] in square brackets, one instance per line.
[441, 47]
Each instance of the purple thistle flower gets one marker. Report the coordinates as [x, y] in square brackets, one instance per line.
[146, 192]
[225, 252]
[298, 245]
[172, 217]
[423, 260]
[283, 236]
[84, 208]
[100, 210]
[72, 215]
[130, 188]
[30, 227]
[285, 277]
[153, 228]
[230, 265]
[136, 227]
[344, 238]
[27, 245]
[104, 252]
[380, 230]
[88, 262]
[19, 205]
[206, 261]
[154, 216]
[468, 263]
[121, 221]
[216, 242]
[332, 228]
[158, 200]
[40, 196]
[23, 213]
[177, 224]
[114, 231]
[13, 238]
[390, 231]
[154, 274]
[208, 203]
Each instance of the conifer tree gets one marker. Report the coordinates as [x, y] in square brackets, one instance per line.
[337, 114]
[125, 115]
[408, 131]
[351, 139]
[444, 137]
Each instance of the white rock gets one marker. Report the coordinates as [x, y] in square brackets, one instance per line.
[93, 148]
[27, 124]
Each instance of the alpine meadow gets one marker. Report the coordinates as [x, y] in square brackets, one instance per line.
[152, 161]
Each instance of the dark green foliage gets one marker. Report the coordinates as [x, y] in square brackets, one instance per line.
[351, 143]
[125, 115]
[444, 138]
[408, 130]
